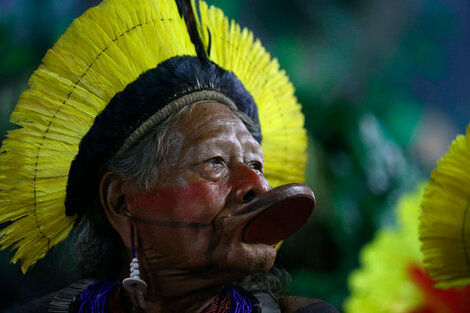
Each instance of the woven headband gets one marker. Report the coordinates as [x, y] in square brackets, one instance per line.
[173, 107]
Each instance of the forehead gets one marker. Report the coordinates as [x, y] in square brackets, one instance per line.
[211, 119]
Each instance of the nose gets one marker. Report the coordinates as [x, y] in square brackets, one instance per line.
[248, 184]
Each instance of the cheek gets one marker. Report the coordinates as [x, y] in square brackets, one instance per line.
[196, 202]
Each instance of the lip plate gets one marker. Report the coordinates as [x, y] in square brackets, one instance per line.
[280, 212]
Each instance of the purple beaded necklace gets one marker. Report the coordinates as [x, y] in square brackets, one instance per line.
[93, 298]
[238, 302]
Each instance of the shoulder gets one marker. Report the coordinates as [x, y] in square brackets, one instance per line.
[40, 305]
[64, 300]
[292, 304]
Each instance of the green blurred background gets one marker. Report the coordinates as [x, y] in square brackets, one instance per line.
[384, 87]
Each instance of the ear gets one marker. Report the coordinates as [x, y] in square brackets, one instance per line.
[113, 201]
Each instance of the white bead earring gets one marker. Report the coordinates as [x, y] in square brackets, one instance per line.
[133, 282]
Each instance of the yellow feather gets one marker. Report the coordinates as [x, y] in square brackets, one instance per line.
[445, 220]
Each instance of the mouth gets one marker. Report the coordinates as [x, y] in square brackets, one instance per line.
[277, 214]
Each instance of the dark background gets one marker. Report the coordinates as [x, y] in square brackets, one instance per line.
[384, 87]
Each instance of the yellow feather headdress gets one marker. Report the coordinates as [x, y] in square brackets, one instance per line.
[445, 219]
[103, 51]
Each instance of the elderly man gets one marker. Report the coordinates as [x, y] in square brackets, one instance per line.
[143, 128]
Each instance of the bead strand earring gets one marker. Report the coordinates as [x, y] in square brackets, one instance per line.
[133, 282]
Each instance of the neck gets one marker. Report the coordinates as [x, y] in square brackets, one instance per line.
[176, 290]
[182, 291]
[152, 300]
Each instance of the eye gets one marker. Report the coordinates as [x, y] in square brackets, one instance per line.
[212, 168]
[256, 166]
[215, 160]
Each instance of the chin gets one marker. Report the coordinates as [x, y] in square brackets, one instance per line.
[251, 258]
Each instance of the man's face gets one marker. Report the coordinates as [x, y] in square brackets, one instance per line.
[185, 224]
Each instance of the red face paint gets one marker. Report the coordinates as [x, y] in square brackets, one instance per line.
[193, 202]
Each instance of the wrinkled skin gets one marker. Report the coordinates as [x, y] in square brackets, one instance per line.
[215, 163]
[186, 242]
[189, 227]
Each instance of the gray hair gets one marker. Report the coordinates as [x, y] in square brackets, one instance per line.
[140, 162]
